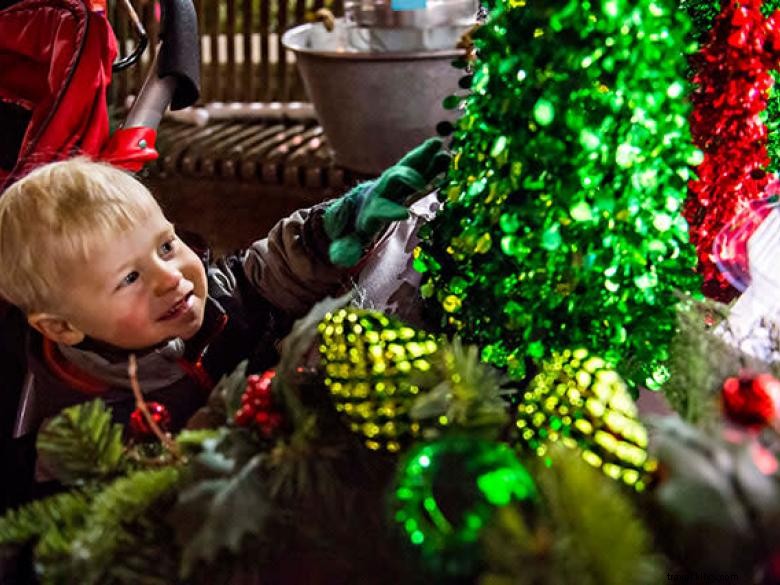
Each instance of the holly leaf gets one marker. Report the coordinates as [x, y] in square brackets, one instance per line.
[230, 388]
[81, 444]
[715, 486]
[217, 514]
[197, 440]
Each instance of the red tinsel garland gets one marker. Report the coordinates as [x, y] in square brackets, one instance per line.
[732, 81]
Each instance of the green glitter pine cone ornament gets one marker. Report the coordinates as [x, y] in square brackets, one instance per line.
[562, 224]
[370, 362]
[579, 401]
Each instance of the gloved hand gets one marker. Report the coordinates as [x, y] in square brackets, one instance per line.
[354, 220]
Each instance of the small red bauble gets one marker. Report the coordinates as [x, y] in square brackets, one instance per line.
[257, 406]
[139, 427]
[750, 401]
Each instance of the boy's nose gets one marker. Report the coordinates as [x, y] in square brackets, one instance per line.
[167, 279]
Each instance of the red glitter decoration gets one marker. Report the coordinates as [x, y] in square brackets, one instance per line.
[139, 427]
[257, 406]
[750, 401]
[732, 80]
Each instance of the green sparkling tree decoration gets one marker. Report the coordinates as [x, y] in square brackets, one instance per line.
[702, 14]
[562, 224]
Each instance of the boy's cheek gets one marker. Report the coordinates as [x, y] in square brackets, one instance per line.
[132, 324]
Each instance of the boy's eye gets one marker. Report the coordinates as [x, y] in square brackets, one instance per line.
[167, 248]
[130, 278]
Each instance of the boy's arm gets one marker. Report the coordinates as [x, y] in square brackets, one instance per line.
[290, 267]
[355, 221]
[310, 254]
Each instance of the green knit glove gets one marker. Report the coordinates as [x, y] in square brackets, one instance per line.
[353, 221]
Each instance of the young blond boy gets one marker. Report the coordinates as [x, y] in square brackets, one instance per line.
[90, 258]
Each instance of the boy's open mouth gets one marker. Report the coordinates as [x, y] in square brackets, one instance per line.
[177, 309]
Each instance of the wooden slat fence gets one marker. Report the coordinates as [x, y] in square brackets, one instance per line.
[242, 57]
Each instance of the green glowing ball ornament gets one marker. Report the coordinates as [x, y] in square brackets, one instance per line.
[446, 492]
[579, 401]
[370, 362]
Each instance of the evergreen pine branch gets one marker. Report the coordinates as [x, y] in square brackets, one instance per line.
[464, 389]
[106, 540]
[699, 362]
[704, 352]
[515, 553]
[81, 444]
[599, 538]
[151, 560]
[58, 514]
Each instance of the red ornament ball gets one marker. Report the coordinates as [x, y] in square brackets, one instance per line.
[139, 427]
[257, 406]
[750, 400]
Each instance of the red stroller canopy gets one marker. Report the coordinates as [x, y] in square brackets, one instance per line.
[55, 66]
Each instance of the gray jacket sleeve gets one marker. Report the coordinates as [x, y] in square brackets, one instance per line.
[290, 267]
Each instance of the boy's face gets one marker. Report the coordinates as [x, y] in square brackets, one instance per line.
[142, 287]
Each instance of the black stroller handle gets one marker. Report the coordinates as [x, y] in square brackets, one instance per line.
[179, 54]
[174, 77]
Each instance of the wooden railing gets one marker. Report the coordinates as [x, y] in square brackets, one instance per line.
[242, 57]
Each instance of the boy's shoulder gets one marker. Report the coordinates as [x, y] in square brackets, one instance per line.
[51, 385]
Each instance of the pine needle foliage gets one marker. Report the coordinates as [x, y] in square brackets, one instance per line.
[704, 352]
[586, 532]
[516, 553]
[82, 444]
[99, 548]
[468, 393]
[699, 362]
[599, 538]
[50, 524]
[151, 560]
[58, 515]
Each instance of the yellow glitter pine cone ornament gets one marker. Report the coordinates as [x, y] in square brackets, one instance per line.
[370, 362]
[577, 400]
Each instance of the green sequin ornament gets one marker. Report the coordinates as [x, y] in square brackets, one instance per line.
[578, 400]
[445, 493]
[370, 361]
[561, 226]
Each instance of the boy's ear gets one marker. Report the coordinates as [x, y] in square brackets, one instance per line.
[55, 328]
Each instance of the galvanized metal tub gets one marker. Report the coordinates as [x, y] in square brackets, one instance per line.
[374, 107]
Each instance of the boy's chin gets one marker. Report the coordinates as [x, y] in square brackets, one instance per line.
[190, 331]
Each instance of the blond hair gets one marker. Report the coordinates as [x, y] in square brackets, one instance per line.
[49, 219]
